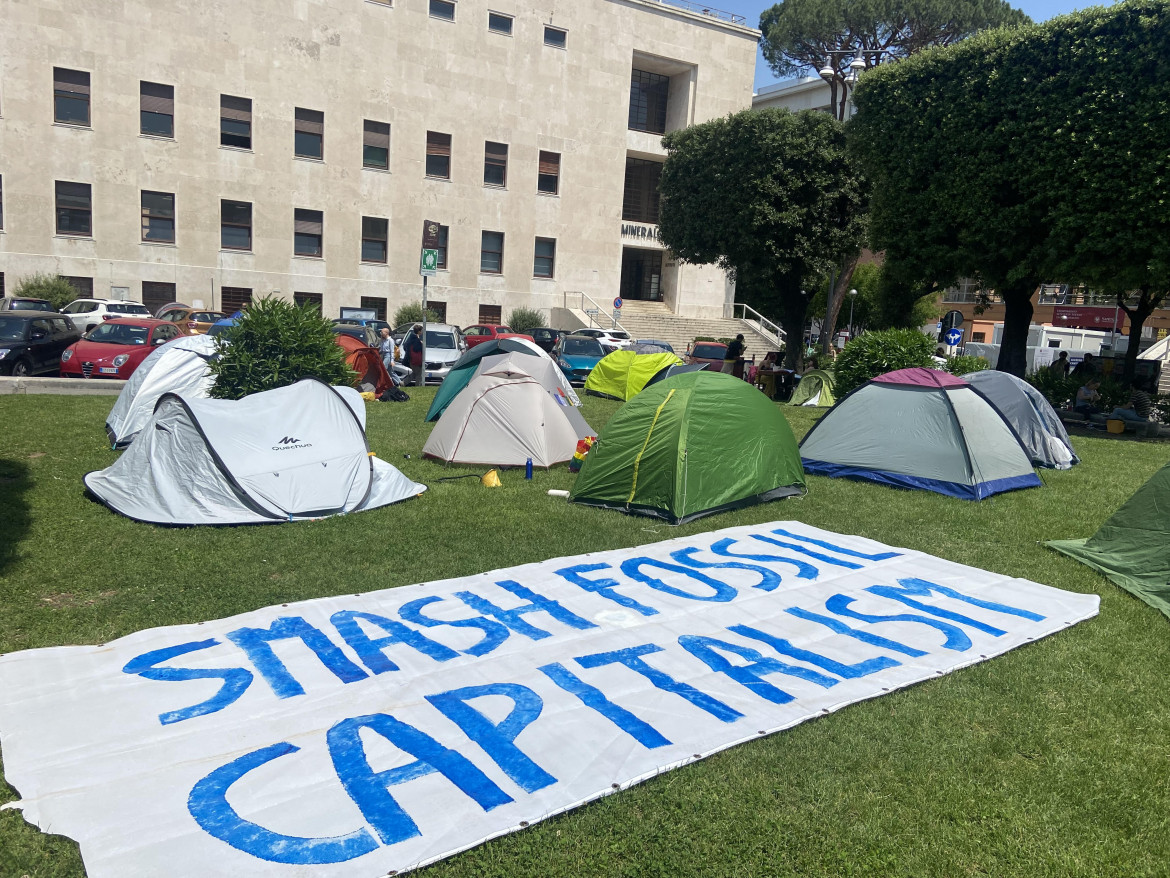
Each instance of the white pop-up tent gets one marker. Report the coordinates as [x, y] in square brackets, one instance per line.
[179, 366]
[503, 418]
[292, 453]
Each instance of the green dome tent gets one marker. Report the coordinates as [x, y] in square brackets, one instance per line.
[691, 445]
[815, 388]
[1130, 548]
[622, 374]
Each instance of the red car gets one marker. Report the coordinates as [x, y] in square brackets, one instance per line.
[114, 349]
[709, 353]
[484, 332]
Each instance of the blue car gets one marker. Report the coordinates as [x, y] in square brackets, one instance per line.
[577, 355]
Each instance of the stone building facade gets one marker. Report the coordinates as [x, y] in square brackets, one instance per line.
[213, 152]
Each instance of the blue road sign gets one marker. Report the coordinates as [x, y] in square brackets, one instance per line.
[617, 303]
[953, 336]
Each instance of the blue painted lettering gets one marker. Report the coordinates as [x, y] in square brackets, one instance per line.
[514, 618]
[769, 579]
[493, 632]
[254, 642]
[592, 697]
[721, 592]
[370, 651]
[603, 587]
[784, 647]
[235, 680]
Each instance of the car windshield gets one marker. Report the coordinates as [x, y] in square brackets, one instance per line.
[119, 333]
[582, 347]
[441, 341]
[206, 316]
[126, 308]
[31, 305]
[12, 329]
[709, 351]
[622, 335]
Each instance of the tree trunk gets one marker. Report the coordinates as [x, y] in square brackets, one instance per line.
[1017, 317]
[793, 306]
[836, 300]
[1147, 302]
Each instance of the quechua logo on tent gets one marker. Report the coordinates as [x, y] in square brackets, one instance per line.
[289, 442]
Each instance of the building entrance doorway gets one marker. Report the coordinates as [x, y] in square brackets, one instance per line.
[641, 274]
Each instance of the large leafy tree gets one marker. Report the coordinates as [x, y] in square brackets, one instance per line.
[772, 197]
[1025, 156]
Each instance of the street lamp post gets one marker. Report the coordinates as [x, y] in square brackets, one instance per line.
[846, 81]
[852, 302]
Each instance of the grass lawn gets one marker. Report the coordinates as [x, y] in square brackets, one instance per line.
[1051, 760]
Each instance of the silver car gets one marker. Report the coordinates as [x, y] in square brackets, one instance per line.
[443, 349]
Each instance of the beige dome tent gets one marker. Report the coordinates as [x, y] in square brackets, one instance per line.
[502, 418]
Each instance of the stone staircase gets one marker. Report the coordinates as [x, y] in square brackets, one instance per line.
[656, 320]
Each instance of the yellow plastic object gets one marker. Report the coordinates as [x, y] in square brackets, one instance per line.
[490, 479]
[368, 396]
[1115, 425]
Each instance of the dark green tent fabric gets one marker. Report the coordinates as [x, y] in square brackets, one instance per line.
[463, 370]
[1132, 548]
[691, 445]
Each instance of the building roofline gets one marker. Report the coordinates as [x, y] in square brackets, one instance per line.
[699, 12]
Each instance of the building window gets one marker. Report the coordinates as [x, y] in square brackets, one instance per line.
[555, 37]
[70, 96]
[978, 336]
[313, 300]
[375, 304]
[155, 294]
[443, 9]
[491, 315]
[500, 24]
[1, 209]
[156, 114]
[442, 248]
[641, 274]
[309, 137]
[640, 201]
[546, 256]
[376, 145]
[648, 96]
[74, 209]
[491, 253]
[495, 164]
[158, 216]
[374, 238]
[307, 232]
[438, 155]
[82, 286]
[235, 225]
[1, 285]
[235, 122]
[549, 173]
[439, 309]
[233, 299]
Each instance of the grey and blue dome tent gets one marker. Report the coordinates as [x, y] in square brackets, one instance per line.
[293, 453]
[1030, 414]
[920, 428]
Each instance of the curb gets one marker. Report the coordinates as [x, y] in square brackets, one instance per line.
[61, 386]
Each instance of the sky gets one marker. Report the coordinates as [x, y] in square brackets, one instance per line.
[1037, 10]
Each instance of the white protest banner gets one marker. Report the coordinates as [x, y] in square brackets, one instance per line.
[355, 736]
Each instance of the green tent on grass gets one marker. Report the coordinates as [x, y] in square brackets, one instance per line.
[815, 388]
[688, 446]
[1132, 548]
[622, 374]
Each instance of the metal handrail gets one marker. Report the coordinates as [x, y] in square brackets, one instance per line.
[704, 9]
[593, 311]
[757, 317]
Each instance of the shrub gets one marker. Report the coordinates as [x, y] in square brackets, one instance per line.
[58, 291]
[1060, 391]
[275, 343]
[524, 319]
[961, 365]
[413, 313]
[875, 353]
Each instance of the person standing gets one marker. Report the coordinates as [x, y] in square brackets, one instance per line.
[386, 349]
[1060, 365]
[734, 353]
[412, 349]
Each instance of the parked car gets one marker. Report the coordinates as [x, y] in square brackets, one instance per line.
[709, 353]
[547, 338]
[23, 303]
[577, 354]
[31, 341]
[116, 347]
[657, 342]
[611, 339]
[443, 349]
[192, 322]
[360, 332]
[480, 333]
[88, 313]
[161, 313]
[377, 325]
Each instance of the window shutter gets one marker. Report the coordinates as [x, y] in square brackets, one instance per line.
[307, 222]
[438, 144]
[238, 109]
[550, 163]
[158, 98]
[76, 81]
[310, 121]
[376, 134]
[495, 152]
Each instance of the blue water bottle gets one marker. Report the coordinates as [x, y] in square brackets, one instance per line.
[528, 469]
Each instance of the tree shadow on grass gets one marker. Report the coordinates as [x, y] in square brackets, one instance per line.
[15, 484]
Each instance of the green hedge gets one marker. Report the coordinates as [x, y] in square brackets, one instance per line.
[876, 353]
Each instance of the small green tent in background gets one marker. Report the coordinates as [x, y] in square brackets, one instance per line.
[623, 374]
[815, 388]
[691, 445]
[1132, 548]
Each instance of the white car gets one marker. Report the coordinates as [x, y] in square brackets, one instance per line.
[444, 347]
[610, 339]
[88, 313]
